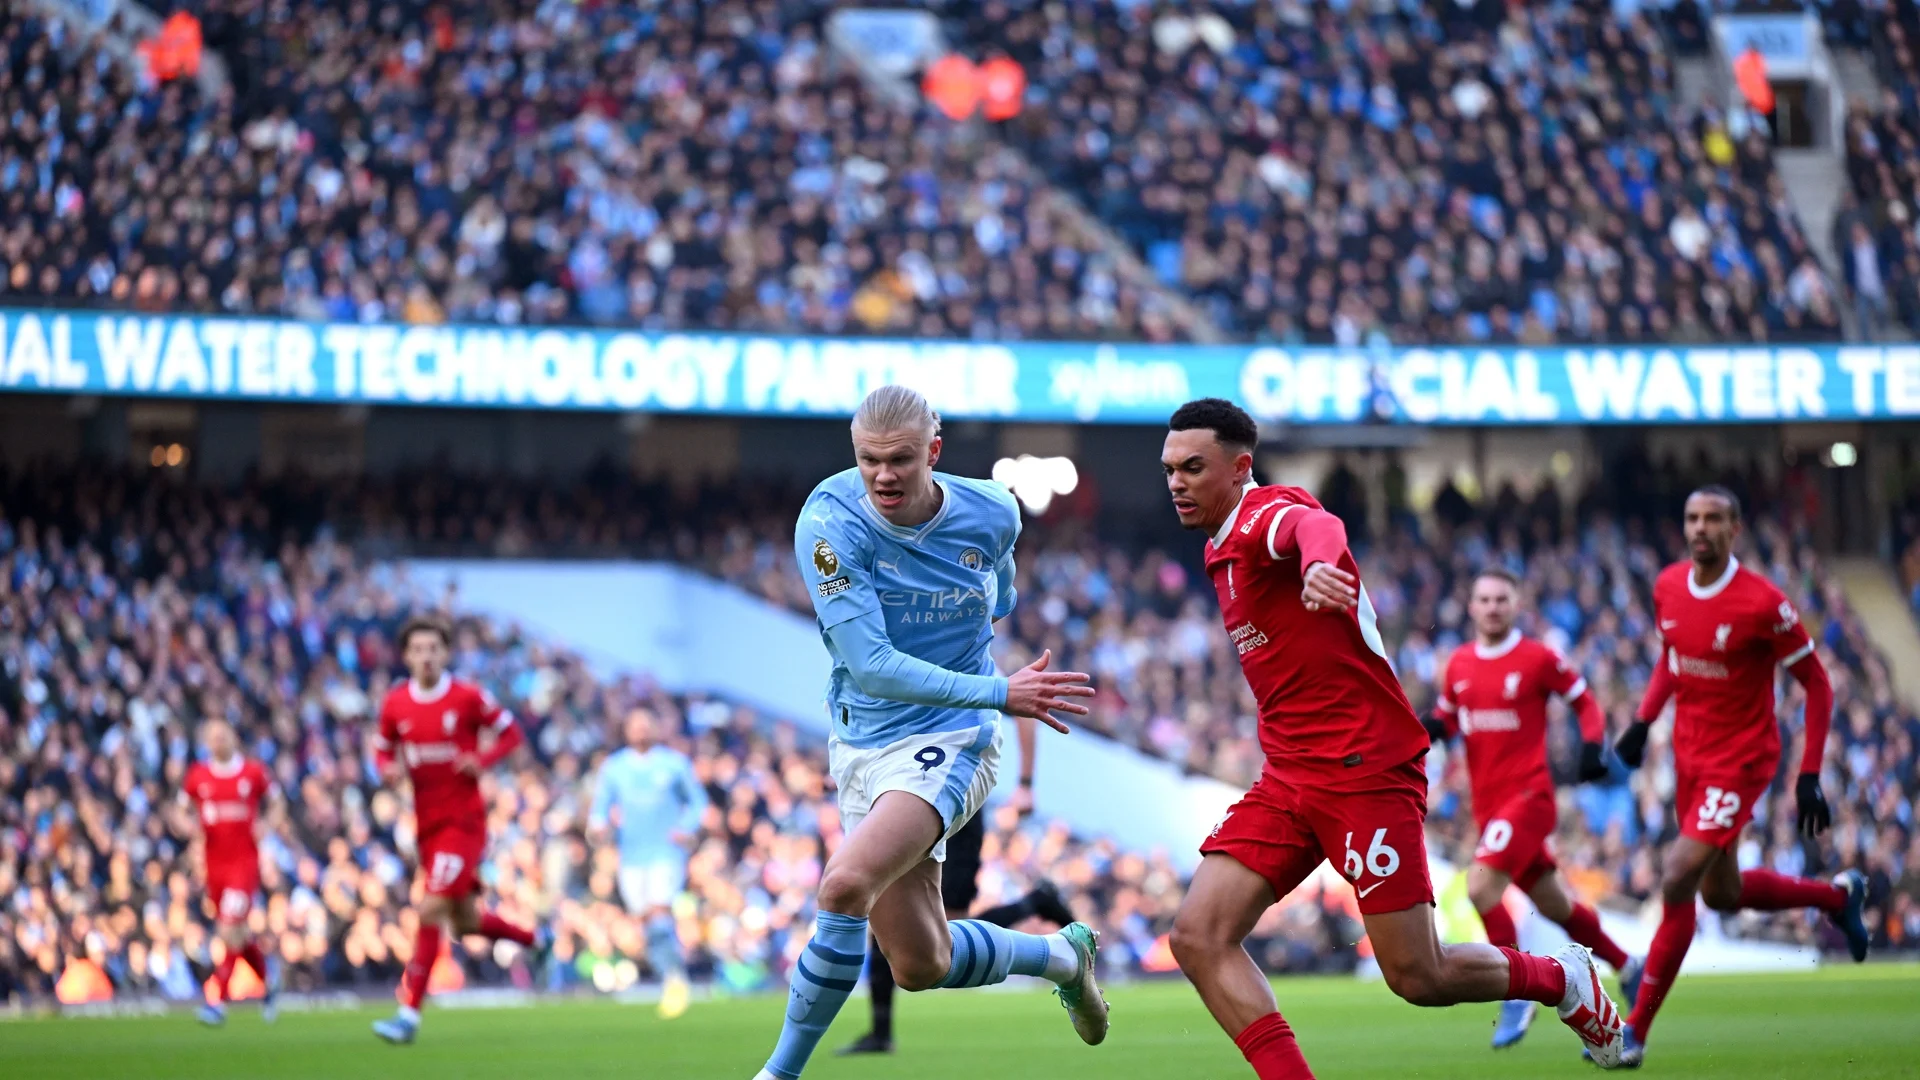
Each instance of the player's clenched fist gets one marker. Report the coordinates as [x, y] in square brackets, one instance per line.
[1326, 586]
[1036, 692]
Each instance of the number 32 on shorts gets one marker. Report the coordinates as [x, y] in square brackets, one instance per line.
[1380, 861]
[1718, 808]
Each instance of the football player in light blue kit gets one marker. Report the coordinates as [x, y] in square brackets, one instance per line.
[647, 795]
[909, 568]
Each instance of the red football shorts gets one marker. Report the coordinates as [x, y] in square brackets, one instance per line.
[1374, 835]
[1516, 839]
[1714, 807]
[450, 860]
[231, 890]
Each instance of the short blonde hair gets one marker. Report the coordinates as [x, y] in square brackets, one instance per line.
[896, 408]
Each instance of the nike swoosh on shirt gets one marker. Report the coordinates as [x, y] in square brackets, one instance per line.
[1668, 624]
[1461, 685]
[1362, 894]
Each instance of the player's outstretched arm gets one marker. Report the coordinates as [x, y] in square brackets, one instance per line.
[882, 671]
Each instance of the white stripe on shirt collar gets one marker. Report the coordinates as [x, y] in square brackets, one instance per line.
[430, 694]
[1221, 536]
[1495, 652]
[1708, 592]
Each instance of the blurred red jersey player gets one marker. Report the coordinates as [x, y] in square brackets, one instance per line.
[1493, 695]
[1724, 631]
[441, 734]
[227, 790]
[1344, 777]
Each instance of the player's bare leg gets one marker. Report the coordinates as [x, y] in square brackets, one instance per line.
[1221, 907]
[1425, 972]
[881, 880]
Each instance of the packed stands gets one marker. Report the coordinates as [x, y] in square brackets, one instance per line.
[128, 616]
[1873, 236]
[132, 609]
[1434, 172]
[671, 166]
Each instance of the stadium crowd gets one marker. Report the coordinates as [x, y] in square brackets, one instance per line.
[130, 614]
[1417, 173]
[1307, 173]
[129, 610]
[668, 166]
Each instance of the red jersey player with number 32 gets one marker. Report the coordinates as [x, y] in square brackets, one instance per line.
[432, 726]
[1724, 630]
[226, 790]
[1345, 775]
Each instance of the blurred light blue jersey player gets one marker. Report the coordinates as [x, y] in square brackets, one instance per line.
[909, 568]
[649, 798]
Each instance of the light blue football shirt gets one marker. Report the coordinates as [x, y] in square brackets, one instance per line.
[938, 586]
[657, 795]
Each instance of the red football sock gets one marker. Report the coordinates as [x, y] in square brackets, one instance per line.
[255, 959]
[223, 973]
[426, 949]
[1500, 928]
[493, 926]
[1270, 1048]
[1583, 926]
[1535, 978]
[1764, 890]
[1669, 948]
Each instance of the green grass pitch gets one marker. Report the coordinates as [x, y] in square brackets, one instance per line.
[1857, 1023]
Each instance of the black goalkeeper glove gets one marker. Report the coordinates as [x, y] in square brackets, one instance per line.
[1815, 816]
[1593, 763]
[1632, 745]
[1436, 731]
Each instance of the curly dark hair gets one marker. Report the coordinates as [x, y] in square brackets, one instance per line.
[1228, 422]
[425, 624]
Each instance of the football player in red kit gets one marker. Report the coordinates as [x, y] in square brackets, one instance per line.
[1493, 694]
[1724, 630]
[226, 790]
[442, 733]
[1345, 775]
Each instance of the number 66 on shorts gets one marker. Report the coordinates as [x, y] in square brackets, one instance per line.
[1374, 836]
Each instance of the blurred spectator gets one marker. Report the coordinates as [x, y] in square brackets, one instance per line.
[1432, 173]
[670, 166]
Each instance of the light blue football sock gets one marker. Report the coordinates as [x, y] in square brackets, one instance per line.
[985, 954]
[823, 976]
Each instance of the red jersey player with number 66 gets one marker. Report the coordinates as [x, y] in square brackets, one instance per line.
[1345, 775]
[1724, 632]
[432, 729]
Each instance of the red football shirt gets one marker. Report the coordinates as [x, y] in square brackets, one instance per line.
[1496, 700]
[428, 730]
[227, 800]
[1331, 709]
[1722, 643]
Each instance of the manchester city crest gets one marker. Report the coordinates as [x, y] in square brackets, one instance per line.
[973, 559]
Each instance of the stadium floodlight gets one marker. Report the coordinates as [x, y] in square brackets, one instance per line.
[1037, 481]
[1842, 455]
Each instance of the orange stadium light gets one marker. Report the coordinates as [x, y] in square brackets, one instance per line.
[953, 84]
[1004, 86]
